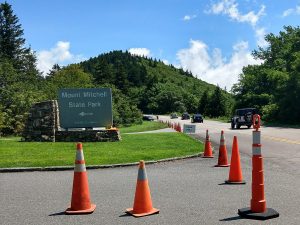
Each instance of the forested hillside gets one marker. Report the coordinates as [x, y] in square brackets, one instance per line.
[150, 84]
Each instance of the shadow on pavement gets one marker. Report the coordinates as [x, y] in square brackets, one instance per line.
[125, 215]
[58, 214]
[232, 218]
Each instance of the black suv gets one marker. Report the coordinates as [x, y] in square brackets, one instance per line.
[197, 118]
[243, 117]
[148, 117]
[185, 116]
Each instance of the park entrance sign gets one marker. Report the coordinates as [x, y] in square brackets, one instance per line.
[85, 108]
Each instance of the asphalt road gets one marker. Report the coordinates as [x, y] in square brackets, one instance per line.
[280, 146]
[186, 192]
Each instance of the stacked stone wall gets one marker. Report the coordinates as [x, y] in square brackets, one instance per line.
[42, 123]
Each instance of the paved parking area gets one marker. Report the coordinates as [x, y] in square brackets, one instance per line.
[186, 192]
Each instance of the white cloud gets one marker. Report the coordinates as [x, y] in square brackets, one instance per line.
[213, 68]
[291, 11]
[230, 8]
[189, 17]
[60, 54]
[166, 62]
[140, 52]
[260, 34]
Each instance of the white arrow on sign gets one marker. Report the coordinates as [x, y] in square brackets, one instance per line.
[85, 114]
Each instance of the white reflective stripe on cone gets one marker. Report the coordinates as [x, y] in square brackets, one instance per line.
[79, 168]
[256, 150]
[79, 155]
[256, 137]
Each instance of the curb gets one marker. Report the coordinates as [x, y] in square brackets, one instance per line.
[63, 168]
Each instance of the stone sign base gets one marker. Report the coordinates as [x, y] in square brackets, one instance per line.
[88, 135]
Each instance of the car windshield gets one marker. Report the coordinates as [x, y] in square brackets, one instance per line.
[242, 112]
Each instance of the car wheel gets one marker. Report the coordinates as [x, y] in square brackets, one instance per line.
[232, 125]
[249, 126]
[238, 126]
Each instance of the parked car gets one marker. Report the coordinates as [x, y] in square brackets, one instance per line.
[185, 116]
[148, 117]
[197, 118]
[243, 117]
[173, 116]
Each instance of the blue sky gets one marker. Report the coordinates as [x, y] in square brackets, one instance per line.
[213, 39]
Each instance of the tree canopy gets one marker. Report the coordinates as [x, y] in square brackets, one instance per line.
[274, 86]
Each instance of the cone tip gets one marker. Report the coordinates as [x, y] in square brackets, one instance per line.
[222, 131]
[79, 145]
[142, 164]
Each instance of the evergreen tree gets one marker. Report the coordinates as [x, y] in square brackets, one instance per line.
[203, 103]
[12, 41]
[20, 82]
[53, 71]
[216, 106]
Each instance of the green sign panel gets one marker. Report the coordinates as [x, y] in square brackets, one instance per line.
[90, 107]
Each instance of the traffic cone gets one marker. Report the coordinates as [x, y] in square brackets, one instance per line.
[208, 149]
[175, 126]
[258, 206]
[80, 203]
[179, 127]
[235, 172]
[222, 160]
[142, 205]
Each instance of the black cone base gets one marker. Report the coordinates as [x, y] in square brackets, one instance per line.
[268, 214]
[235, 182]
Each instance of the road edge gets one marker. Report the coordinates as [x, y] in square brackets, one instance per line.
[63, 168]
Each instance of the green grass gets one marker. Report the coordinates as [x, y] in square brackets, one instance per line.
[147, 125]
[132, 148]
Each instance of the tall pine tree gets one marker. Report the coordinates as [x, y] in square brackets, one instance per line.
[20, 82]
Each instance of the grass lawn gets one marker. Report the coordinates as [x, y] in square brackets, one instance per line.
[132, 148]
[147, 125]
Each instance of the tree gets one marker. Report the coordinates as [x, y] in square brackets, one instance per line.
[203, 103]
[71, 76]
[274, 86]
[216, 106]
[12, 41]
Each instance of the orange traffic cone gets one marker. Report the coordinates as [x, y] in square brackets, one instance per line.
[208, 149]
[258, 207]
[142, 201]
[179, 127]
[175, 126]
[80, 203]
[222, 160]
[235, 172]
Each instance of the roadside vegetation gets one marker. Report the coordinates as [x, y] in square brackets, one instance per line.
[132, 148]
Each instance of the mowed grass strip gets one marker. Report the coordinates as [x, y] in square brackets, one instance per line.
[146, 126]
[132, 148]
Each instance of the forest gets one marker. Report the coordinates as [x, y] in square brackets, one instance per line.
[142, 85]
